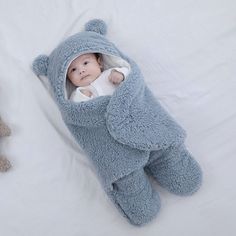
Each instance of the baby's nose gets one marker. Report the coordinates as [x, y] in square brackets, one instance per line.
[81, 71]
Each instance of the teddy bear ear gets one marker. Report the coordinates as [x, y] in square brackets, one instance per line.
[40, 65]
[96, 25]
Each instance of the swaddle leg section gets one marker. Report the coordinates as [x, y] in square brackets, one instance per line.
[136, 198]
[176, 170]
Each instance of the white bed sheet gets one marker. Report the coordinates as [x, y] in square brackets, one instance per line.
[187, 52]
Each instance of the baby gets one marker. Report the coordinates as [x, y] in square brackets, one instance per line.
[85, 70]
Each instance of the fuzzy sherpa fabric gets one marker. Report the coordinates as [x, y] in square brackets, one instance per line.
[176, 170]
[136, 198]
[117, 132]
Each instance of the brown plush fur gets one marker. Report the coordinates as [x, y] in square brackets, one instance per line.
[4, 162]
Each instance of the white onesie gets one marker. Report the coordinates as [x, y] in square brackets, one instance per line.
[100, 87]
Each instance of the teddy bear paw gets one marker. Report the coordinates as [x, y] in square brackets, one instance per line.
[4, 164]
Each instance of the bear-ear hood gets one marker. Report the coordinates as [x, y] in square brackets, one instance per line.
[41, 63]
[92, 39]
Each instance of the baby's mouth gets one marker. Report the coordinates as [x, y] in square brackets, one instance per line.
[84, 77]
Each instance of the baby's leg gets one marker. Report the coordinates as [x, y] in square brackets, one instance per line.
[176, 170]
[135, 197]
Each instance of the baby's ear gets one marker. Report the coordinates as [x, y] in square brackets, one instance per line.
[40, 65]
[97, 26]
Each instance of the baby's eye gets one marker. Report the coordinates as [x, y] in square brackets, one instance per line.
[73, 69]
[86, 62]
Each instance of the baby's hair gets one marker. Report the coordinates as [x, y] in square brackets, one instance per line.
[99, 56]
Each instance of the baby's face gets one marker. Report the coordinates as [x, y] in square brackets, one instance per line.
[84, 70]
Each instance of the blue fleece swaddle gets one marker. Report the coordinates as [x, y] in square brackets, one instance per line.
[127, 135]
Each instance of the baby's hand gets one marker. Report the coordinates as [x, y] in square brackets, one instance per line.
[86, 92]
[116, 77]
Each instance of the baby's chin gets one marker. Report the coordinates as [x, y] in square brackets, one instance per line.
[87, 81]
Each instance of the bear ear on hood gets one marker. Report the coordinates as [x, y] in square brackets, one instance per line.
[40, 65]
[97, 26]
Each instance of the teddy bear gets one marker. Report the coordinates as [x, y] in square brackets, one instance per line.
[4, 162]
